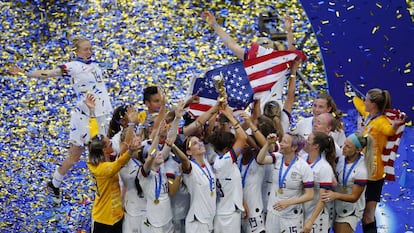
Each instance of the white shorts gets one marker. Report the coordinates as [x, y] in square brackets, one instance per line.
[132, 224]
[197, 227]
[352, 220]
[253, 225]
[227, 223]
[148, 228]
[79, 127]
[278, 223]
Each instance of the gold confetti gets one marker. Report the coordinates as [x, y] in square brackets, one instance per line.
[375, 29]
[325, 21]
[350, 7]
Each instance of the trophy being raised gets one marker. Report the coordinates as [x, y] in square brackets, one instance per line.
[221, 89]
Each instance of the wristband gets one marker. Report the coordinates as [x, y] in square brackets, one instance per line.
[131, 124]
[215, 25]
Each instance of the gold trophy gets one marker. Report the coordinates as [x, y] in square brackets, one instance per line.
[221, 89]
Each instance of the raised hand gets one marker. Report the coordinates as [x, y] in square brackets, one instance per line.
[132, 115]
[209, 18]
[135, 143]
[179, 109]
[14, 70]
[90, 102]
[272, 139]
[288, 22]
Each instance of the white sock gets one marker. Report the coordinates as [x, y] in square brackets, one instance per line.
[57, 178]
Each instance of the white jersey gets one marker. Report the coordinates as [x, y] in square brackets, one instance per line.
[201, 185]
[88, 79]
[252, 175]
[134, 204]
[357, 176]
[305, 126]
[298, 177]
[180, 202]
[229, 184]
[267, 184]
[323, 176]
[158, 214]
[116, 143]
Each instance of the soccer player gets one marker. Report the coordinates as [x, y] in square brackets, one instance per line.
[86, 77]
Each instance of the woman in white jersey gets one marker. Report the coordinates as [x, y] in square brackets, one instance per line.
[229, 184]
[353, 170]
[252, 175]
[323, 103]
[321, 158]
[292, 184]
[199, 178]
[86, 78]
[156, 185]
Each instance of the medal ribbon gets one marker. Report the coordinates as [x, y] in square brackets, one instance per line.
[313, 165]
[345, 178]
[245, 172]
[282, 178]
[158, 185]
[210, 180]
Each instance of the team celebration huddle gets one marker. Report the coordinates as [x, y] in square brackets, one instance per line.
[225, 159]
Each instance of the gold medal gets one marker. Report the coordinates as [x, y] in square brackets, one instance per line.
[156, 201]
[212, 193]
[280, 191]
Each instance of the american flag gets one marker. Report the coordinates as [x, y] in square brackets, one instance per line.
[244, 81]
[238, 89]
[389, 154]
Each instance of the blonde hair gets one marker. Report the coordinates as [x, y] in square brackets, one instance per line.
[76, 41]
[381, 98]
[367, 142]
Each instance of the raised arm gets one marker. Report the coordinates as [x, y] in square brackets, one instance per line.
[40, 74]
[93, 123]
[228, 41]
[290, 97]
[172, 133]
[132, 116]
[261, 140]
[185, 162]
[201, 120]
[153, 150]
[241, 136]
[263, 157]
[161, 113]
[288, 25]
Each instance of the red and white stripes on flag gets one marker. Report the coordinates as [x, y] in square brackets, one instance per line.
[262, 70]
[266, 67]
[389, 153]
